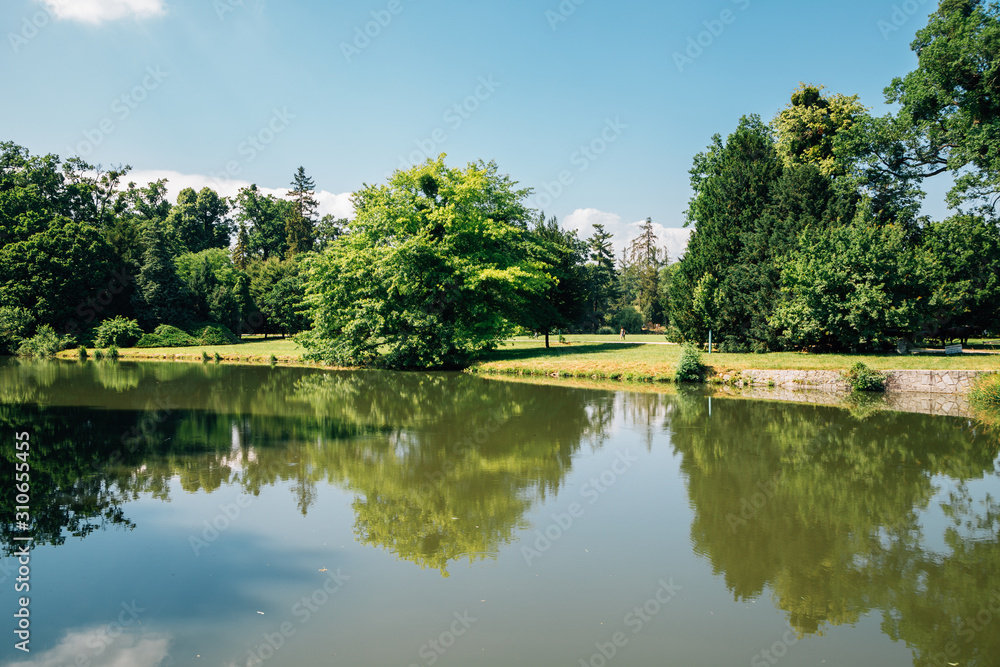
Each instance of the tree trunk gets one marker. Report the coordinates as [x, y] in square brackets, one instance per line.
[546, 340]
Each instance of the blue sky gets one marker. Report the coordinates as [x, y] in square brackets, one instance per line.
[597, 105]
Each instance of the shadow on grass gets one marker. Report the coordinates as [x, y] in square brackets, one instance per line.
[554, 352]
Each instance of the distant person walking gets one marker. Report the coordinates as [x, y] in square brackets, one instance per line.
[623, 333]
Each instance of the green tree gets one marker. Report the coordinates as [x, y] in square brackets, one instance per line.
[602, 289]
[807, 128]
[857, 287]
[300, 225]
[561, 254]
[733, 185]
[264, 218]
[949, 116]
[432, 269]
[962, 269]
[200, 221]
[161, 297]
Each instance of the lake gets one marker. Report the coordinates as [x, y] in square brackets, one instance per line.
[203, 514]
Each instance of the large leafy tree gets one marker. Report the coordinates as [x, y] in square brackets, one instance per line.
[949, 118]
[856, 287]
[263, 217]
[562, 254]
[431, 271]
[200, 221]
[962, 270]
[807, 127]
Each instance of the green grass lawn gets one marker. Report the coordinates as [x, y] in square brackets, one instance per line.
[632, 360]
[251, 350]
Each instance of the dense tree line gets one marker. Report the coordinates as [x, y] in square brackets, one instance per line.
[807, 231]
[79, 246]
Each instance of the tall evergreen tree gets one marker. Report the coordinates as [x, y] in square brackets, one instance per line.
[300, 225]
[161, 296]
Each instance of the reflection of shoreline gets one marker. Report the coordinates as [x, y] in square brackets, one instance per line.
[942, 405]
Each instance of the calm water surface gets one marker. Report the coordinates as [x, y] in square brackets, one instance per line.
[219, 515]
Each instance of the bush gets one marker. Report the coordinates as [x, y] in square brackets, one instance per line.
[113, 352]
[45, 343]
[173, 337]
[986, 391]
[81, 352]
[217, 334]
[606, 331]
[118, 331]
[863, 378]
[150, 340]
[15, 323]
[690, 368]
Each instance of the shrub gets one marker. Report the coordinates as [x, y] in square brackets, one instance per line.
[690, 368]
[273, 360]
[113, 352]
[173, 337]
[150, 340]
[606, 331]
[218, 357]
[204, 357]
[15, 323]
[863, 378]
[98, 354]
[217, 334]
[81, 352]
[45, 343]
[986, 391]
[118, 331]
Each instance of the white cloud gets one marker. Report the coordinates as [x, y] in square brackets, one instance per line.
[99, 11]
[338, 205]
[582, 220]
[123, 650]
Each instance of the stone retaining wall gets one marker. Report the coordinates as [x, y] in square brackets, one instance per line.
[925, 382]
[949, 405]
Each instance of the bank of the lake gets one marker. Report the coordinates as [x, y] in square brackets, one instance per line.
[643, 362]
[636, 360]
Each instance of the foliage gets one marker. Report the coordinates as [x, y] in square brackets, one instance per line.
[432, 270]
[629, 319]
[986, 391]
[807, 127]
[216, 334]
[45, 343]
[851, 288]
[300, 226]
[862, 378]
[263, 218]
[113, 353]
[606, 331]
[166, 335]
[950, 110]
[561, 254]
[15, 324]
[81, 352]
[199, 221]
[161, 296]
[119, 331]
[689, 367]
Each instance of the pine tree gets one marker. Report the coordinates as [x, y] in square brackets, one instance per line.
[161, 296]
[241, 252]
[300, 224]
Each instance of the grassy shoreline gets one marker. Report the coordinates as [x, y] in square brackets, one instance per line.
[632, 361]
[586, 357]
